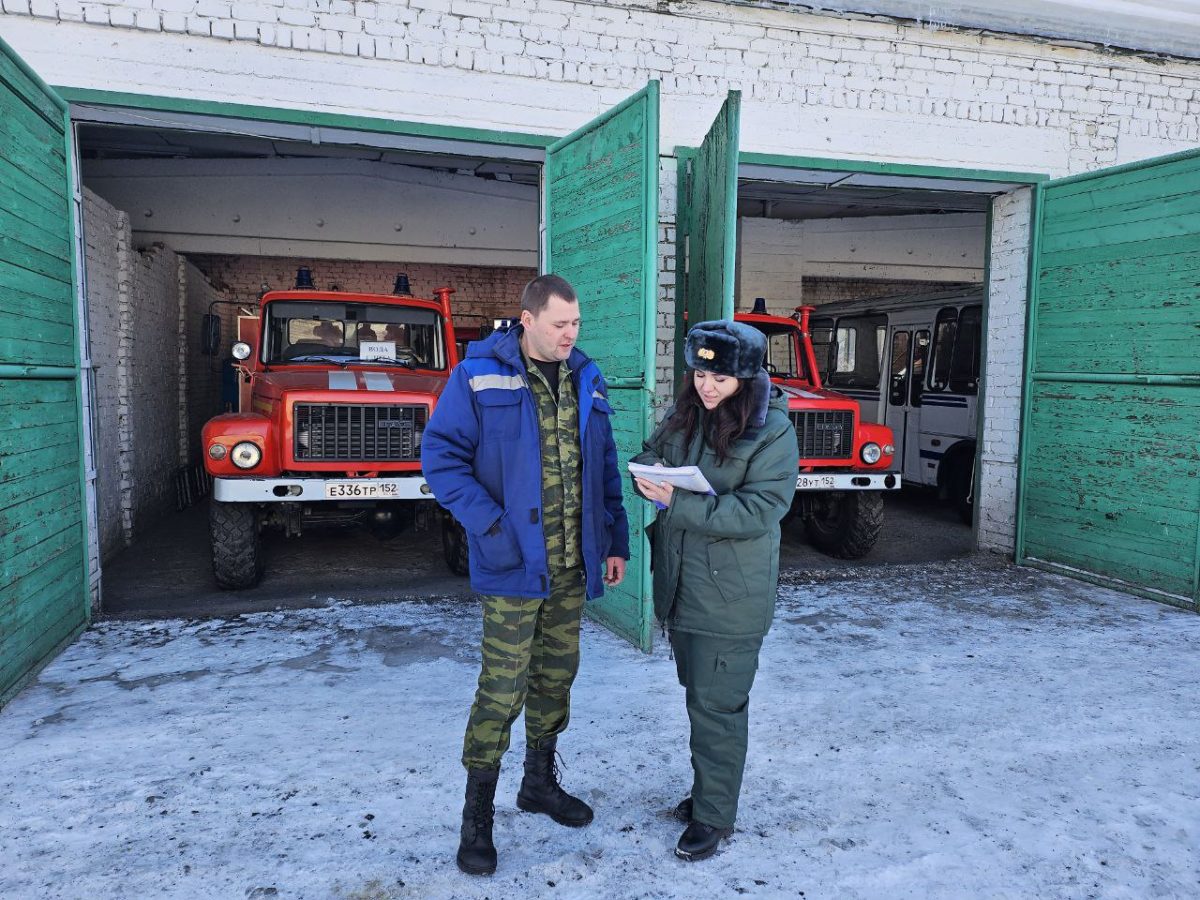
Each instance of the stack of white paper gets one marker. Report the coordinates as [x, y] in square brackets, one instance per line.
[690, 478]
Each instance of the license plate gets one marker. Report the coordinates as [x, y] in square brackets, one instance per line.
[814, 482]
[359, 490]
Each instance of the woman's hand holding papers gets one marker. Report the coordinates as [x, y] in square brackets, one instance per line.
[658, 491]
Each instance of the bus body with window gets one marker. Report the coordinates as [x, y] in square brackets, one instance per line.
[912, 362]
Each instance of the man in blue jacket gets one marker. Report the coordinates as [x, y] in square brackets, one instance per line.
[520, 450]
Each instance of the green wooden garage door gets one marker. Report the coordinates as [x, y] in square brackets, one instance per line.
[601, 218]
[706, 225]
[708, 217]
[1110, 450]
[43, 600]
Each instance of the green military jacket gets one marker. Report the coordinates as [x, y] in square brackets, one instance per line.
[716, 558]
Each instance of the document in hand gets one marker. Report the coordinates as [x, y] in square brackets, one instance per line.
[690, 478]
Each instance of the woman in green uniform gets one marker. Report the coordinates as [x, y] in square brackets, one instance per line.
[716, 558]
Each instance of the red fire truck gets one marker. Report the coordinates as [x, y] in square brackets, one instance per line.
[340, 387]
[846, 464]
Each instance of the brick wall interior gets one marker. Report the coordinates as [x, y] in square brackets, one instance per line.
[149, 353]
[664, 337]
[154, 389]
[482, 293]
[1003, 371]
[105, 233]
[818, 291]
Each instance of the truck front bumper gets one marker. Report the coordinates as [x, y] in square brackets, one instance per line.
[309, 490]
[848, 481]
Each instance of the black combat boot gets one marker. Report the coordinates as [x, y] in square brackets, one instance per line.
[541, 793]
[476, 852]
[700, 841]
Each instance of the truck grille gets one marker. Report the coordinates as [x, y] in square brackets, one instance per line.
[824, 435]
[357, 432]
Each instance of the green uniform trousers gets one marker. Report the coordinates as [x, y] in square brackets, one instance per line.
[718, 673]
[530, 657]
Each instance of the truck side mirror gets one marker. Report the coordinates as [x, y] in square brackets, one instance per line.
[210, 334]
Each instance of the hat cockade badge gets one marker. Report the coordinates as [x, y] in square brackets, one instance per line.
[705, 353]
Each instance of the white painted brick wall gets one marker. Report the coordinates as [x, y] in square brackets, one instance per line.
[665, 325]
[851, 258]
[182, 380]
[152, 364]
[133, 314]
[125, 417]
[103, 325]
[770, 264]
[1003, 376]
[814, 85]
[819, 291]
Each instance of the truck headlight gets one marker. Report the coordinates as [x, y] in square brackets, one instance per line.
[870, 453]
[246, 455]
[889, 450]
[217, 451]
[241, 350]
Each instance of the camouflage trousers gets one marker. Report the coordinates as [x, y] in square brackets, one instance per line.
[530, 657]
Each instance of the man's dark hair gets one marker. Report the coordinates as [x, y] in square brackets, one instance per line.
[539, 291]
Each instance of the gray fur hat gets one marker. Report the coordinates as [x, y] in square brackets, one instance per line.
[726, 348]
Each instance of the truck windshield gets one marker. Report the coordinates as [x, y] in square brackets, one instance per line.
[319, 331]
[783, 359]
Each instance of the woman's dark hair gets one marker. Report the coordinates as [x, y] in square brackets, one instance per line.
[725, 423]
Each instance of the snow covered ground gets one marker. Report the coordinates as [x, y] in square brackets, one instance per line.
[966, 730]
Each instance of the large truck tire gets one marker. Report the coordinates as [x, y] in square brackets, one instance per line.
[454, 547]
[845, 524]
[962, 489]
[236, 545]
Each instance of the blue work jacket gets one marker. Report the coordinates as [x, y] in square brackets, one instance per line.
[481, 454]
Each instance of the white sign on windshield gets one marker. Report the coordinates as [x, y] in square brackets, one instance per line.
[377, 350]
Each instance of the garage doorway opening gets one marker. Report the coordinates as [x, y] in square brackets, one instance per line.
[890, 270]
[189, 220]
